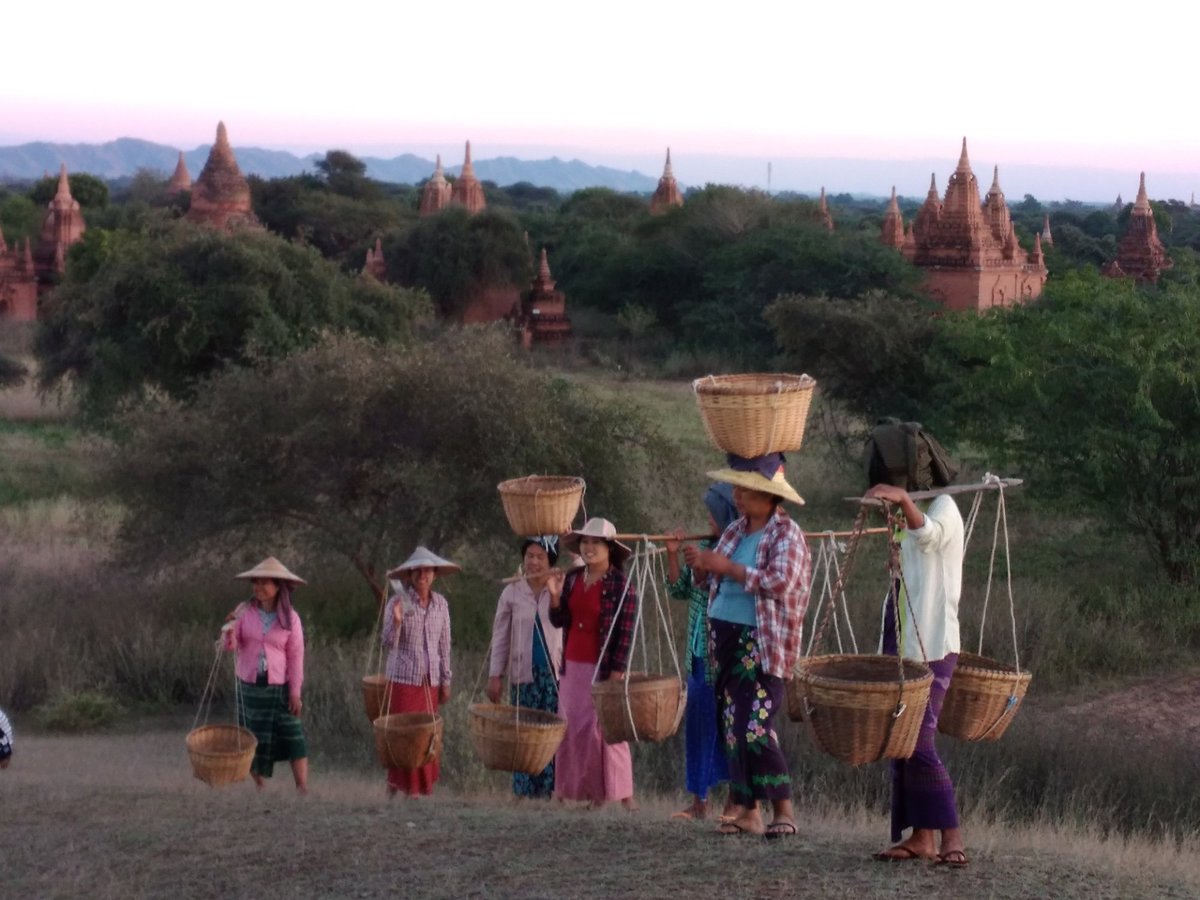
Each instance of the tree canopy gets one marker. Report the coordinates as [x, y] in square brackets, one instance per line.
[164, 307]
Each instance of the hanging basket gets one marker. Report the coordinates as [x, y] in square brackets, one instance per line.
[797, 698]
[983, 698]
[408, 740]
[515, 739]
[221, 754]
[753, 415]
[858, 709]
[653, 711]
[541, 504]
[374, 688]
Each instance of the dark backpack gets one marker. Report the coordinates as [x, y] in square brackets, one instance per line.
[903, 454]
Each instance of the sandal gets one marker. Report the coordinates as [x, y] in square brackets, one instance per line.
[954, 859]
[732, 828]
[901, 853]
[780, 828]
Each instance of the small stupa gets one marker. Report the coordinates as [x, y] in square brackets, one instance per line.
[666, 195]
[221, 195]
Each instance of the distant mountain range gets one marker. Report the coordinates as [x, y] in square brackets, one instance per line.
[124, 157]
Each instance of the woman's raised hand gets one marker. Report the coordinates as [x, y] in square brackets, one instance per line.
[237, 611]
[554, 585]
[493, 689]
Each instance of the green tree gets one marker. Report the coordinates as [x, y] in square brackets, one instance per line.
[163, 308]
[343, 448]
[19, 217]
[88, 190]
[1093, 391]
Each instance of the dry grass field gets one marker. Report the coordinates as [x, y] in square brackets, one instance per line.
[120, 816]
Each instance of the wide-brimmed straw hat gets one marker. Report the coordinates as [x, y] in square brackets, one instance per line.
[598, 528]
[755, 481]
[423, 558]
[271, 568]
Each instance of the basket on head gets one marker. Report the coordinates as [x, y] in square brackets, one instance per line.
[515, 738]
[983, 697]
[408, 740]
[374, 688]
[653, 711]
[858, 709]
[541, 504]
[753, 415]
[221, 754]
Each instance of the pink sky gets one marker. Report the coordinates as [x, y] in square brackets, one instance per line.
[1062, 83]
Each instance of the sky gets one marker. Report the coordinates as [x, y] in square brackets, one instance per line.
[1056, 83]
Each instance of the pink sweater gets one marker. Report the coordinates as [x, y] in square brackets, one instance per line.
[284, 649]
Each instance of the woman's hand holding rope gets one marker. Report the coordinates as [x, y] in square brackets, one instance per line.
[493, 688]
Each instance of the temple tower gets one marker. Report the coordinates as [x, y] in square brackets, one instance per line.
[893, 224]
[18, 283]
[543, 312]
[823, 211]
[181, 179]
[61, 228]
[375, 265]
[1047, 237]
[1140, 254]
[667, 194]
[467, 191]
[968, 248]
[435, 196]
[221, 195]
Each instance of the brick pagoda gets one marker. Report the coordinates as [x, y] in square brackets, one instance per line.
[823, 212]
[968, 249]
[1140, 254]
[376, 267]
[667, 195]
[435, 196]
[61, 228]
[221, 195]
[467, 191]
[18, 283]
[181, 179]
[543, 312]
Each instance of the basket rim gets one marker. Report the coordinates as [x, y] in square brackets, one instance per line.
[980, 666]
[806, 675]
[542, 484]
[754, 383]
[638, 682]
[485, 712]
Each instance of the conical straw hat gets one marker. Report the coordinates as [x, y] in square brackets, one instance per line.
[271, 568]
[423, 558]
[777, 486]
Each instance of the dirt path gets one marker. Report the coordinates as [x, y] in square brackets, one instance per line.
[120, 816]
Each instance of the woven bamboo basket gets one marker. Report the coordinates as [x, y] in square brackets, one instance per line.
[408, 740]
[797, 698]
[374, 688]
[221, 754]
[983, 698]
[858, 709]
[541, 504]
[752, 415]
[653, 713]
[515, 739]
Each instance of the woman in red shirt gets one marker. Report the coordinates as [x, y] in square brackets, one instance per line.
[597, 616]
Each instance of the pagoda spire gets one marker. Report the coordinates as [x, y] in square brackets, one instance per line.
[468, 170]
[1037, 258]
[964, 164]
[892, 232]
[544, 268]
[995, 181]
[64, 186]
[667, 194]
[823, 211]
[1046, 237]
[668, 172]
[1142, 202]
[933, 191]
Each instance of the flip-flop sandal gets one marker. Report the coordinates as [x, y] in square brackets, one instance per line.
[954, 859]
[900, 853]
[781, 829]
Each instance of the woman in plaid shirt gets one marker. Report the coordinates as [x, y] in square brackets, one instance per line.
[758, 592]
[416, 626]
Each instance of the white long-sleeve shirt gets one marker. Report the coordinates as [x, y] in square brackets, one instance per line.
[6, 736]
[932, 559]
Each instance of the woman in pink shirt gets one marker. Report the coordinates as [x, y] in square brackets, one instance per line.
[416, 626]
[266, 634]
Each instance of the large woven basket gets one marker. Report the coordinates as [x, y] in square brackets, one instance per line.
[374, 688]
[859, 711]
[797, 699]
[515, 739]
[221, 754]
[983, 698]
[541, 504]
[408, 740]
[650, 711]
[752, 415]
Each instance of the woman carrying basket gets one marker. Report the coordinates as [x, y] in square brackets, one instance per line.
[416, 626]
[266, 634]
[529, 648]
[597, 612]
[758, 577]
[900, 458]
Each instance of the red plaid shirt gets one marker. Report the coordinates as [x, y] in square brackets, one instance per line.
[612, 586]
[779, 583]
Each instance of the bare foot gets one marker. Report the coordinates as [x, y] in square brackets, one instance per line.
[630, 805]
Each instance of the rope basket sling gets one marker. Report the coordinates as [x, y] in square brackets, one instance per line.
[374, 681]
[515, 738]
[984, 693]
[402, 740]
[643, 706]
[219, 754]
[753, 415]
[862, 708]
[541, 504]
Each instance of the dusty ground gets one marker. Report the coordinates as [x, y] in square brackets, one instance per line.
[120, 816]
